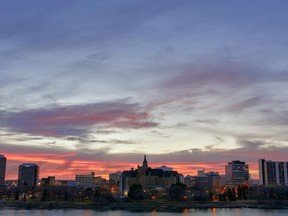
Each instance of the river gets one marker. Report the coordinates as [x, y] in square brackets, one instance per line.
[186, 212]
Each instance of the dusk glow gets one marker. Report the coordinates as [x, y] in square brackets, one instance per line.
[92, 86]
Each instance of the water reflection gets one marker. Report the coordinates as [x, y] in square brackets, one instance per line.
[238, 211]
[185, 211]
[153, 212]
[213, 211]
[87, 212]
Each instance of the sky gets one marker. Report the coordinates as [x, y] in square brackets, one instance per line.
[95, 85]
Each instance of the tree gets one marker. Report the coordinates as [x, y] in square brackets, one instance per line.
[177, 191]
[211, 195]
[66, 197]
[136, 192]
[44, 195]
[17, 195]
[231, 194]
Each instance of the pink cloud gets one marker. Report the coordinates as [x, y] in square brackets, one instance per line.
[75, 120]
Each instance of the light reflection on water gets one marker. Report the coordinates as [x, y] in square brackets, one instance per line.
[185, 212]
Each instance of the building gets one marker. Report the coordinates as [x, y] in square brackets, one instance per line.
[213, 180]
[114, 179]
[99, 181]
[223, 180]
[86, 180]
[237, 173]
[48, 181]
[272, 173]
[164, 168]
[201, 173]
[2, 169]
[203, 181]
[149, 178]
[28, 174]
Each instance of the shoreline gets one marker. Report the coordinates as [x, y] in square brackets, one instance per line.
[138, 206]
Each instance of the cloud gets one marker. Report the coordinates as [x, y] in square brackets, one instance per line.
[76, 120]
[65, 163]
[207, 121]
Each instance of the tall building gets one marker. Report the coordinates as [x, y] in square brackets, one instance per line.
[28, 174]
[2, 169]
[237, 173]
[272, 173]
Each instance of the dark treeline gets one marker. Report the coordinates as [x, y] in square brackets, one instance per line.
[176, 192]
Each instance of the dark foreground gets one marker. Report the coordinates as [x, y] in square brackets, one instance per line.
[140, 206]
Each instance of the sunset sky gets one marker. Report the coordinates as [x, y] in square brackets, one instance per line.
[94, 85]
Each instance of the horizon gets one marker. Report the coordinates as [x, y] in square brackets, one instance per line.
[92, 86]
[179, 166]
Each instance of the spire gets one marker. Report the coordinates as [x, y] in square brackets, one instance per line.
[145, 163]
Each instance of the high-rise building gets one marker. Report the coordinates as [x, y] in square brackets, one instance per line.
[237, 173]
[2, 169]
[272, 173]
[28, 174]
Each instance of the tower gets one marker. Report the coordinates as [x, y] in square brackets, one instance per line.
[28, 174]
[2, 169]
[237, 172]
[142, 171]
[273, 173]
[145, 163]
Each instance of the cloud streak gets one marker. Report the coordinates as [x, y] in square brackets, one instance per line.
[76, 120]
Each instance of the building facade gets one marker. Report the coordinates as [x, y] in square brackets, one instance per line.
[2, 169]
[50, 180]
[86, 180]
[149, 178]
[237, 173]
[114, 179]
[28, 174]
[213, 180]
[273, 173]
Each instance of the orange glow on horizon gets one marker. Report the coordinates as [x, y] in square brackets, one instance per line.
[62, 168]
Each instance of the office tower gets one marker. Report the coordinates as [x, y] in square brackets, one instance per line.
[272, 173]
[2, 169]
[28, 174]
[237, 173]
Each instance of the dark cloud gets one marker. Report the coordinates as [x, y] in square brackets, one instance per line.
[246, 104]
[207, 121]
[221, 78]
[254, 144]
[75, 120]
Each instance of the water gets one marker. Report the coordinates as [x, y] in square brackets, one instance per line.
[190, 212]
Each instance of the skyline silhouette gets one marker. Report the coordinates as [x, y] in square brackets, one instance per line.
[94, 85]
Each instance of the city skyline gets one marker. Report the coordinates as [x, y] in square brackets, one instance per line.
[93, 86]
[31, 167]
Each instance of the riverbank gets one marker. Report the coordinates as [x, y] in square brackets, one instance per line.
[140, 206]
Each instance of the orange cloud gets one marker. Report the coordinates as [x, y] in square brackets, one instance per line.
[63, 167]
